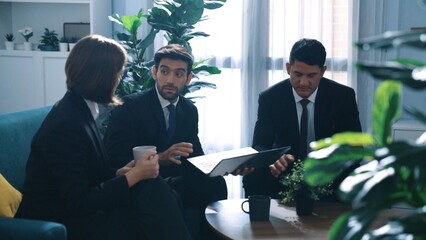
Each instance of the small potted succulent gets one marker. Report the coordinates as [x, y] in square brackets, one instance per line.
[9, 41]
[298, 193]
[63, 44]
[49, 41]
[72, 42]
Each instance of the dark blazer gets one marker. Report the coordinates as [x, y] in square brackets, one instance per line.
[277, 124]
[67, 170]
[140, 121]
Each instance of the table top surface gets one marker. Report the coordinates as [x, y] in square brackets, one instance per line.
[229, 221]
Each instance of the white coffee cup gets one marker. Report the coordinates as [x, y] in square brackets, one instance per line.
[141, 150]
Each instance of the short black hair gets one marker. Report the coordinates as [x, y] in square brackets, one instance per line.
[175, 52]
[309, 51]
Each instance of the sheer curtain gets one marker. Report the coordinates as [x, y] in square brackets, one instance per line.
[250, 42]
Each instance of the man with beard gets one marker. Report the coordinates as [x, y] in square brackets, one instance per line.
[162, 117]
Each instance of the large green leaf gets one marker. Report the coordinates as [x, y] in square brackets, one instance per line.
[345, 138]
[323, 166]
[386, 110]
[411, 226]
[376, 191]
[208, 69]
[213, 4]
[352, 225]
[193, 11]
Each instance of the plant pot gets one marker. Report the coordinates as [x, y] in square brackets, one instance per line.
[28, 46]
[72, 45]
[9, 45]
[304, 205]
[63, 47]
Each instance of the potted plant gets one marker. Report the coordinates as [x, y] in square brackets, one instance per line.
[298, 193]
[72, 42]
[177, 19]
[9, 41]
[63, 44]
[49, 41]
[390, 172]
[27, 33]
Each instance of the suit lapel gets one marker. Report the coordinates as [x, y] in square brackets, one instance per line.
[90, 125]
[322, 110]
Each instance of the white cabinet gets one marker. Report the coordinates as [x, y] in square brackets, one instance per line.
[30, 79]
[407, 130]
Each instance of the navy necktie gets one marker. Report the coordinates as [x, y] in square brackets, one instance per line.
[303, 144]
[172, 121]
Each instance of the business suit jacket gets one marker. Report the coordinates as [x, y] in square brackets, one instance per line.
[67, 167]
[277, 124]
[69, 180]
[140, 121]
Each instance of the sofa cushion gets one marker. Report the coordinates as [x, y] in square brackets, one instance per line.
[16, 132]
[10, 198]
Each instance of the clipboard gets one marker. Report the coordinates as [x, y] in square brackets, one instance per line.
[222, 163]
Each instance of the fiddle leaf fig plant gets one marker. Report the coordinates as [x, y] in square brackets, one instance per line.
[390, 172]
[177, 19]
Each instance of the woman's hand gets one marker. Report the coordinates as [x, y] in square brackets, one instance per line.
[145, 167]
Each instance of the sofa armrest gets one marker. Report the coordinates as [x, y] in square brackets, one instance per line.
[17, 229]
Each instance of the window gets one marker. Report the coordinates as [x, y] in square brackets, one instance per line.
[228, 113]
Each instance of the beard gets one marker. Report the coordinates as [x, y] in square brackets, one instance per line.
[169, 92]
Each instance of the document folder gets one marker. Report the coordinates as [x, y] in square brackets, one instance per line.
[221, 163]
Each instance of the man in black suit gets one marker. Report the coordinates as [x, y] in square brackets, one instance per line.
[331, 108]
[68, 176]
[144, 119]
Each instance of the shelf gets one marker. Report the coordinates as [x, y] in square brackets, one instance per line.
[22, 53]
[46, 1]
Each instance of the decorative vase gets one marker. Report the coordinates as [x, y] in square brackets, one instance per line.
[9, 45]
[63, 47]
[304, 205]
[28, 46]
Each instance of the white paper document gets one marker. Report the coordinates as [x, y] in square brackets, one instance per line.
[221, 163]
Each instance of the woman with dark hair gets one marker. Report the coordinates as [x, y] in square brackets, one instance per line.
[68, 178]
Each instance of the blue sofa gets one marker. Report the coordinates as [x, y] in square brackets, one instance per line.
[16, 132]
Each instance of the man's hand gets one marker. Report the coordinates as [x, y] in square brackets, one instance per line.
[173, 154]
[281, 164]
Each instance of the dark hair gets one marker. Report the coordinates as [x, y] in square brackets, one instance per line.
[309, 51]
[175, 52]
[94, 68]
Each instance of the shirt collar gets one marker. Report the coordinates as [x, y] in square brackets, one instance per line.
[93, 107]
[311, 98]
[164, 102]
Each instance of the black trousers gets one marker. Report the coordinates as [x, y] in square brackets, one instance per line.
[153, 213]
[197, 191]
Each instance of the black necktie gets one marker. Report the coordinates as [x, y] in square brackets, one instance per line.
[172, 121]
[303, 144]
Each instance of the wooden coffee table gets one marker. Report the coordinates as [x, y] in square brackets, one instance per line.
[230, 222]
